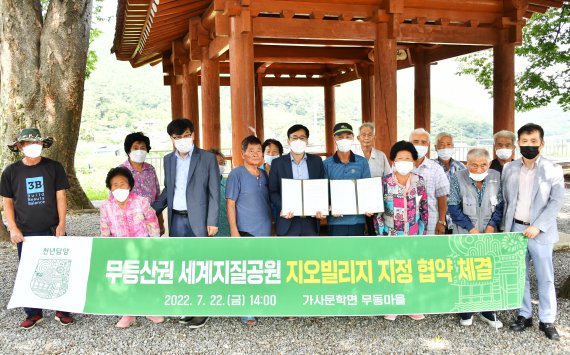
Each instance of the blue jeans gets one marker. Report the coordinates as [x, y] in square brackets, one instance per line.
[541, 256]
[181, 227]
[346, 230]
[32, 311]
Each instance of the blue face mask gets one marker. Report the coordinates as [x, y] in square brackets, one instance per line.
[269, 158]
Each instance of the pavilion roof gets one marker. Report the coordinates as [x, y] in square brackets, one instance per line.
[145, 29]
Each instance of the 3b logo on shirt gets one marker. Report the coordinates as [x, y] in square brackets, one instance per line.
[35, 190]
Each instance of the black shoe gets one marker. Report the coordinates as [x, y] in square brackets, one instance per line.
[521, 324]
[193, 322]
[549, 331]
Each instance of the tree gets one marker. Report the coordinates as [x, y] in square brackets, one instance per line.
[43, 57]
[546, 51]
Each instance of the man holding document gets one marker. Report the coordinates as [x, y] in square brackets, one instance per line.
[297, 187]
[343, 168]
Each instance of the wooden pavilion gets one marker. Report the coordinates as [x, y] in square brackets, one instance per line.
[248, 44]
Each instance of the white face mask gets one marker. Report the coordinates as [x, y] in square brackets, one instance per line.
[138, 156]
[504, 154]
[222, 169]
[422, 150]
[479, 177]
[32, 150]
[404, 167]
[344, 145]
[445, 154]
[120, 194]
[298, 146]
[269, 158]
[184, 145]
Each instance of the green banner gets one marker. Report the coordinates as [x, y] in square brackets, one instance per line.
[278, 276]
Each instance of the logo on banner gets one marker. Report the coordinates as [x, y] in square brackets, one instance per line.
[51, 278]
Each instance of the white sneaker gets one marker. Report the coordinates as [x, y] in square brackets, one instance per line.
[493, 323]
[466, 322]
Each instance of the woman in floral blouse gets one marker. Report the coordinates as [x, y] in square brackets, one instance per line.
[405, 200]
[126, 214]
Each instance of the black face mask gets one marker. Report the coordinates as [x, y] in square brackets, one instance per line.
[529, 152]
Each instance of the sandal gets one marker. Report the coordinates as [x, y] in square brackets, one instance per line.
[251, 321]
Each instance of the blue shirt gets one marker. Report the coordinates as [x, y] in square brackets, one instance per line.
[181, 180]
[300, 171]
[356, 168]
[251, 195]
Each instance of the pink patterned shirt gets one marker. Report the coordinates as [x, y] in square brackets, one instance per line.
[146, 181]
[137, 219]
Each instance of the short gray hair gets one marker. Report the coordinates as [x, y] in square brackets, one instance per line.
[443, 135]
[367, 125]
[419, 131]
[479, 153]
[505, 134]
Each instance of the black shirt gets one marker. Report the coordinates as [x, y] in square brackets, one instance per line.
[496, 165]
[33, 189]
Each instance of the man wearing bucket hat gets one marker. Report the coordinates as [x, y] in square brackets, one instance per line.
[33, 191]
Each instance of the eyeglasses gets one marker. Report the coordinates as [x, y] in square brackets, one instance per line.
[295, 138]
[186, 135]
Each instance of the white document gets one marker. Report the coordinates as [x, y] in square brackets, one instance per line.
[291, 197]
[370, 195]
[315, 197]
[343, 197]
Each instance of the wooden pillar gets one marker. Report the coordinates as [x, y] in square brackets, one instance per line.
[190, 109]
[367, 93]
[504, 87]
[259, 126]
[330, 118]
[385, 103]
[422, 91]
[211, 136]
[175, 99]
[242, 81]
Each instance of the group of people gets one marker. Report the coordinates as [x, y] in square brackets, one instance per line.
[422, 196]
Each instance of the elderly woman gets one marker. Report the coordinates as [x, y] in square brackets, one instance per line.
[271, 149]
[126, 214]
[405, 200]
[476, 206]
[137, 146]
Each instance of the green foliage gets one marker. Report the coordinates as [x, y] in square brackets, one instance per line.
[546, 53]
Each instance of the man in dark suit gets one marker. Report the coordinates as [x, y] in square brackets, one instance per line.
[191, 191]
[295, 165]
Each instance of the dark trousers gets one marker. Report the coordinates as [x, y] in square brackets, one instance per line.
[346, 230]
[370, 230]
[487, 314]
[180, 227]
[302, 227]
[33, 311]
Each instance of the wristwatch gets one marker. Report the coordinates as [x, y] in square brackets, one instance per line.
[442, 223]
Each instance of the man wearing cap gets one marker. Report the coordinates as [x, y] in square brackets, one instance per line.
[345, 165]
[33, 191]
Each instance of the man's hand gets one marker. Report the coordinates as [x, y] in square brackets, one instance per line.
[489, 229]
[60, 230]
[212, 230]
[531, 232]
[439, 229]
[369, 214]
[319, 215]
[474, 231]
[287, 215]
[16, 236]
